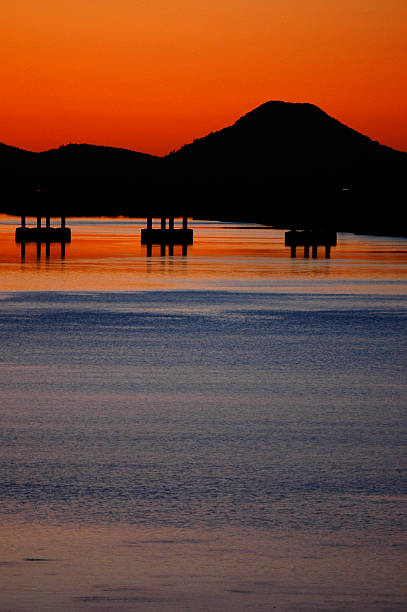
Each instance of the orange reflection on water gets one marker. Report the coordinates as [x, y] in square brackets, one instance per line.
[107, 255]
[132, 567]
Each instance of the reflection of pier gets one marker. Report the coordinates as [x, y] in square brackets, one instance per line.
[310, 239]
[40, 233]
[162, 249]
[167, 235]
[23, 244]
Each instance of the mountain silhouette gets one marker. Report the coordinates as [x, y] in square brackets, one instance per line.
[282, 163]
[285, 162]
[283, 139]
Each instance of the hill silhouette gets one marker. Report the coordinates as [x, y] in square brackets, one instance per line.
[282, 164]
[298, 162]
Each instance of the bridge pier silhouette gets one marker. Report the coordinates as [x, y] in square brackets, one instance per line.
[39, 233]
[164, 235]
[310, 239]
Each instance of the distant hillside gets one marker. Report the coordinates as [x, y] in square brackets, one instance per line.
[282, 163]
[12, 159]
[285, 160]
[75, 160]
[82, 178]
[90, 160]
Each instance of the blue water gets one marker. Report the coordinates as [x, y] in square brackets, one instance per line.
[203, 408]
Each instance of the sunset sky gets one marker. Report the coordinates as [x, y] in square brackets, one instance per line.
[151, 75]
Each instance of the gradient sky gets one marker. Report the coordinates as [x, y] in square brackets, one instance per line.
[151, 75]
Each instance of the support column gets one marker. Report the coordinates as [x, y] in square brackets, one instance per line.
[162, 250]
[23, 221]
[163, 222]
[62, 250]
[38, 250]
[314, 251]
[170, 223]
[38, 222]
[306, 251]
[184, 223]
[22, 249]
[48, 222]
[293, 251]
[47, 249]
[327, 251]
[63, 219]
[170, 250]
[149, 223]
[184, 250]
[149, 249]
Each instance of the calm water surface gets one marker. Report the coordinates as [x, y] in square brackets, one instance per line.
[219, 430]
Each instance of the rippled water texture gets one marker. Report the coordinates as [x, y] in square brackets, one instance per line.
[227, 431]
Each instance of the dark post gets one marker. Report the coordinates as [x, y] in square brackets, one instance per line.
[22, 249]
[162, 250]
[184, 223]
[149, 249]
[149, 223]
[293, 251]
[23, 221]
[170, 223]
[62, 250]
[38, 222]
[38, 250]
[62, 222]
[163, 222]
[314, 250]
[327, 251]
[47, 222]
[170, 250]
[306, 251]
[184, 250]
[47, 249]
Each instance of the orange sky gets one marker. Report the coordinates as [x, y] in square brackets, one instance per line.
[151, 75]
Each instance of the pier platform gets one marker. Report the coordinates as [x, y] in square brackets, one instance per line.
[167, 235]
[310, 239]
[43, 234]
